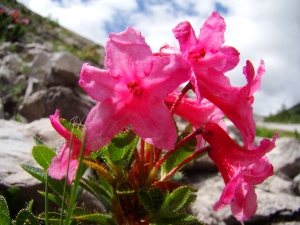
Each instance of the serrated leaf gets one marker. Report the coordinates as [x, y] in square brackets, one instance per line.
[53, 198]
[179, 155]
[181, 220]
[179, 197]
[74, 128]
[166, 201]
[146, 200]
[165, 214]
[96, 217]
[125, 188]
[55, 185]
[121, 148]
[43, 155]
[37, 173]
[191, 199]
[53, 218]
[95, 189]
[157, 197]
[106, 186]
[100, 169]
[29, 206]
[4, 219]
[3, 206]
[51, 215]
[38, 141]
[26, 217]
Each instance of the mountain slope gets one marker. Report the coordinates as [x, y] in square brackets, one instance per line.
[291, 115]
[40, 30]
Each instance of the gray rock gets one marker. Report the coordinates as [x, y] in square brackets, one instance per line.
[65, 69]
[44, 103]
[10, 67]
[40, 66]
[286, 157]
[16, 142]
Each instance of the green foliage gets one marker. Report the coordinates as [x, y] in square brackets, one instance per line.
[269, 133]
[291, 115]
[4, 212]
[120, 149]
[26, 217]
[179, 155]
[74, 128]
[166, 208]
[43, 155]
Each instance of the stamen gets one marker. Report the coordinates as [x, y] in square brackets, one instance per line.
[196, 56]
[134, 88]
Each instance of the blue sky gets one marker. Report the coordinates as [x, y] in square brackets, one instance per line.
[268, 30]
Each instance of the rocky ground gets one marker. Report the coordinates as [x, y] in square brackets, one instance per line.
[278, 196]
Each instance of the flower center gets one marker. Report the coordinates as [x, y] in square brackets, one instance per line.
[195, 56]
[134, 88]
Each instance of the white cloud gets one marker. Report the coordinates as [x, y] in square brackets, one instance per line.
[268, 30]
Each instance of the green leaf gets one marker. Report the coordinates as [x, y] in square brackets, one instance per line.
[179, 197]
[38, 141]
[26, 217]
[146, 200]
[100, 193]
[4, 219]
[37, 173]
[55, 185]
[121, 148]
[3, 207]
[157, 197]
[166, 200]
[191, 199]
[43, 155]
[75, 128]
[96, 217]
[179, 155]
[180, 220]
[29, 206]
[53, 217]
[53, 198]
[125, 188]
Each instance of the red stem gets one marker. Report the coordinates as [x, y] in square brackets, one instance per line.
[180, 96]
[153, 172]
[187, 160]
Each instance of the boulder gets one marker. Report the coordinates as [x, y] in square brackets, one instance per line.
[16, 142]
[65, 69]
[43, 103]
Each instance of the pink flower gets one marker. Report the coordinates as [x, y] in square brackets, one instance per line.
[207, 51]
[210, 60]
[58, 166]
[240, 168]
[24, 21]
[131, 91]
[14, 13]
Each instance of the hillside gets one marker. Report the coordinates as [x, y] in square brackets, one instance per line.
[291, 115]
[19, 24]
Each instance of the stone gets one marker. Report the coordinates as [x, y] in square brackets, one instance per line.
[10, 67]
[286, 157]
[65, 69]
[44, 103]
[40, 66]
[16, 141]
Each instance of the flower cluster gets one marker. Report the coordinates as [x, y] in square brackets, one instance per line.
[139, 90]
